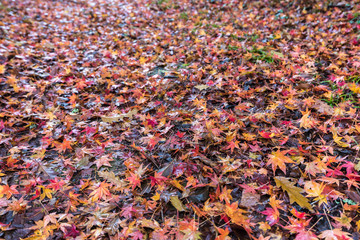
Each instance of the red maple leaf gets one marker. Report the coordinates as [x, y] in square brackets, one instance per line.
[272, 216]
[134, 180]
[72, 231]
[56, 184]
[180, 134]
[151, 122]
[233, 144]
[157, 179]
[266, 134]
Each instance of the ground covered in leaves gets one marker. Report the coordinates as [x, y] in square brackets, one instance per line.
[179, 119]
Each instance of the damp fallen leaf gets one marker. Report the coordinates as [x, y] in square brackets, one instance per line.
[293, 192]
[175, 201]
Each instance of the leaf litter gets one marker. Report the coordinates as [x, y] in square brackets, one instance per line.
[179, 119]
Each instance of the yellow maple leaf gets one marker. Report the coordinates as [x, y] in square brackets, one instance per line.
[307, 121]
[142, 60]
[45, 192]
[249, 136]
[314, 189]
[343, 221]
[354, 87]
[338, 141]
[2, 69]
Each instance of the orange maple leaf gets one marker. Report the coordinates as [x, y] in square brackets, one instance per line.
[2, 68]
[226, 195]
[237, 216]
[101, 192]
[223, 234]
[62, 147]
[278, 159]
[72, 100]
[8, 191]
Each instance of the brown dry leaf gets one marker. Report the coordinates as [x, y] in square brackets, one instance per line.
[202, 87]
[118, 117]
[293, 192]
[111, 119]
[110, 177]
[304, 86]
[149, 223]
[323, 108]
[249, 199]
[353, 195]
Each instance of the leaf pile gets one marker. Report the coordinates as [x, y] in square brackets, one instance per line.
[183, 119]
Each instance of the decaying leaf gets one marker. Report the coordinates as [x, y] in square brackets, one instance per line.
[323, 108]
[119, 117]
[202, 87]
[111, 119]
[249, 199]
[175, 201]
[110, 177]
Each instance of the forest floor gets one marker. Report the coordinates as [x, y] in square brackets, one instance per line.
[179, 119]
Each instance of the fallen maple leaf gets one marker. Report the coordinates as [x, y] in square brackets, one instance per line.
[232, 144]
[110, 177]
[278, 159]
[237, 216]
[101, 192]
[8, 190]
[307, 121]
[343, 221]
[63, 146]
[134, 180]
[72, 232]
[45, 192]
[2, 68]
[335, 234]
[272, 216]
[103, 161]
[223, 234]
[189, 230]
[314, 189]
